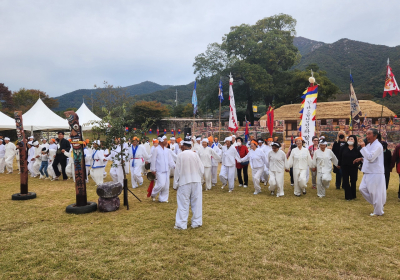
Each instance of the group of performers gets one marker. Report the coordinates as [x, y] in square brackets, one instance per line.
[193, 163]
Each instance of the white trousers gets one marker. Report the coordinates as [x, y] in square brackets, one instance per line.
[36, 166]
[276, 182]
[136, 175]
[87, 173]
[97, 175]
[227, 175]
[373, 189]
[50, 171]
[257, 175]
[300, 180]
[117, 174]
[2, 165]
[161, 186]
[214, 174]
[207, 177]
[189, 194]
[70, 170]
[31, 169]
[323, 181]
[9, 163]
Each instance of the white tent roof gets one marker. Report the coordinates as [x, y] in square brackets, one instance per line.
[40, 117]
[6, 122]
[85, 116]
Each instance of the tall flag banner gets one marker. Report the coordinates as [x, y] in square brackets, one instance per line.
[233, 124]
[194, 99]
[270, 120]
[220, 92]
[309, 106]
[390, 82]
[355, 110]
[246, 132]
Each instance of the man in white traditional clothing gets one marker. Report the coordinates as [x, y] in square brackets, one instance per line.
[87, 151]
[155, 144]
[258, 160]
[38, 160]
[228, 167]
[98, 163]
[31, 156]
[266, 148]
[50, 170]
[322, 164]
[137, 157]
[299, 159]
[173, 145]
[10, 154]
[116, 157]
[2, 156]
[276, 166]
[214, 163]
[161, 162]
[373, 184]
[206, 154]
[196, 143]
[187, 181]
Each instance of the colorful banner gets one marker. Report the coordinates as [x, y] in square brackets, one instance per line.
[309, 105]
[233, 124]
[390, 82]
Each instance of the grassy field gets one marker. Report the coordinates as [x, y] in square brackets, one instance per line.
[243, 236]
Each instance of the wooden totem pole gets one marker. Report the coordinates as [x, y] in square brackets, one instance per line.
[23, 154]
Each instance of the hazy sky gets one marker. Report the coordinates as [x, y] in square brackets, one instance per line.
[61, 46]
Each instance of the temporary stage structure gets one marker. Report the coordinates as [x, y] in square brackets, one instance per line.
[40, 117]
[86, 116]
[6, 122]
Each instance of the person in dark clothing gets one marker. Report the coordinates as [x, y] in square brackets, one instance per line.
[347, 155]
[242, 166]
[340, 141]
[63, 146]
[387, 162]
[396, 162]
[292, 146]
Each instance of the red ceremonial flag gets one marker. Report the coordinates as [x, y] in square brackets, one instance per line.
[390, 82]
[270, 121]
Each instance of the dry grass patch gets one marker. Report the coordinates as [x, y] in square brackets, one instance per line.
[243, 237]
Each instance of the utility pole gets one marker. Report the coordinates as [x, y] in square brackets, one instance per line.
[91, 94]
[176, 98]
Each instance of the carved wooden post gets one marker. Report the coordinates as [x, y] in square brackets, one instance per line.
[23, 154]
[82, 205]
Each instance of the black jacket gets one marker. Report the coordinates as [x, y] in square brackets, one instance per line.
[64, 145]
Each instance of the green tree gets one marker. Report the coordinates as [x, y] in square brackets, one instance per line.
[148, 110]
[24, 99]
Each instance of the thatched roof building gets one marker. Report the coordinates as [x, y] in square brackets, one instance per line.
[333, 110]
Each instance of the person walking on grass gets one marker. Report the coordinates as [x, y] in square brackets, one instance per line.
[322, 164]
[242, 166]
[189, 171]
[340, 142]
[276, 166]
[228, 167]
[206, 154]
[44, 164]
[372, 185]
[312, 149]
[62, 146]
[300, 160]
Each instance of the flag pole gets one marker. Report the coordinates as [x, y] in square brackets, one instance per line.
[219, 122]
[380, 121]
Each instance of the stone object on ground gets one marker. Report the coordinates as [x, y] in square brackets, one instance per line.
[108, 204]
[108, 196]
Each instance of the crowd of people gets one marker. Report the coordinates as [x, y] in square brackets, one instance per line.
[193, 164]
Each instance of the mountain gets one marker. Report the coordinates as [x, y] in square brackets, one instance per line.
[167, 96]
[75, 98]
[367, 63]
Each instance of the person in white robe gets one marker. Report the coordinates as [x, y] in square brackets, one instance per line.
[373, 184]
[31, 156]
[322, 164]
[228, 167]
[9, 155]
[276, 166]
[116, 156]
[147, 147]
[299, 159]
[38, 161]
[258, 160]
[17, 158]
[160, 164]
[50, 170]
[206, 154]
[214, 163]
[187, 181]
[98, 163]
[155, 144]
[2, 156]
[126, 146]
[196, 143]
[266, 148]
[88, 160]
[137, 156]
[70, 168]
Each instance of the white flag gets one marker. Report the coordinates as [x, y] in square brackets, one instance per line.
[233, 124]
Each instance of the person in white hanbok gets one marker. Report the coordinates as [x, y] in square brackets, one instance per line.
[299, 159]
[31, 156]
[88, 160]
[10, 154]
[206, 154]
[2, 156]
[161, 162]
[228, 167]
[116, 157]
[214, 163]
[258, 160]
[187, 181]
[98, 163]
[196, 143]
[373, 184]
[155, 144]
[322, 164]
[38, 161]
[137, 157]
[276, 166]
[50, 170]
[266, 148]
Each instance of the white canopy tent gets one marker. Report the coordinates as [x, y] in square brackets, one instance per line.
[86, 116]
[6, 123]
[40, 117]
